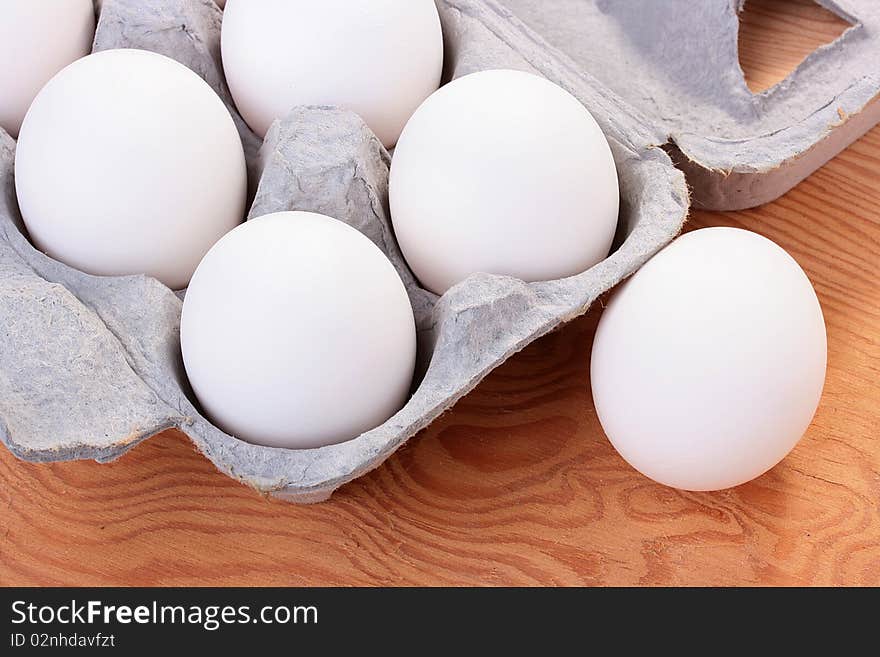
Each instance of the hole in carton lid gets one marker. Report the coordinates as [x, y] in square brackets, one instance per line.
[775, 36]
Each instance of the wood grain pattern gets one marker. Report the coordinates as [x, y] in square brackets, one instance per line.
[777, 35]
[516, 485]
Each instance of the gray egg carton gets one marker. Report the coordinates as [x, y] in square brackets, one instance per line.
[91, 366]
[677, 61]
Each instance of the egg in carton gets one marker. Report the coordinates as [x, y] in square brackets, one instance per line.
[91, 366]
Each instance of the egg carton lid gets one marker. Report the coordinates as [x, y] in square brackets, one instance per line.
[677, 62]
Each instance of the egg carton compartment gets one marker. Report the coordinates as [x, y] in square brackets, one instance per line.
[677, 61]
[90, 366]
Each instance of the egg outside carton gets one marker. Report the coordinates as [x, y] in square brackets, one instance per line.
[111, 374]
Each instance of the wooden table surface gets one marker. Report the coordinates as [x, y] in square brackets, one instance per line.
[518, 485]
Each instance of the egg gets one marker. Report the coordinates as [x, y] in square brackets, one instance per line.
[297, 332]
[502, 172]
[380, 58]
[37, 39]
[709, 363]
[129, 163]
[219, 3]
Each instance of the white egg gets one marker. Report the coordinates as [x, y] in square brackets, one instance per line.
[99, 4]
[297, 332]
[502, 172]
[709, 363]
[380, 58]
[129, 163]
[37, 39]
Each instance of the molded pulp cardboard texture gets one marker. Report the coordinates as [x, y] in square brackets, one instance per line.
[91, 366]
[677, 61]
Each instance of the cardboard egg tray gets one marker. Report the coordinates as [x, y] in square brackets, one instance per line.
[90, 366]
